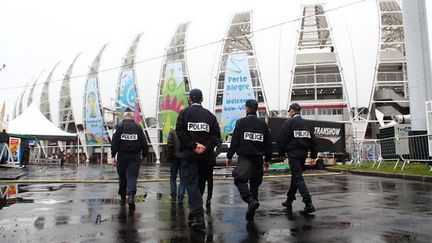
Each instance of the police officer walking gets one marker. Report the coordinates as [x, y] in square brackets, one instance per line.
[128, 143]
[251, 141]
[199, 133]
[295, 140]
[4, 141]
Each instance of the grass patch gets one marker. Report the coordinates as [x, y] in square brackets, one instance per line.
[421, 169]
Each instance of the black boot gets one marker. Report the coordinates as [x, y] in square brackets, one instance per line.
[131, 202]
[309, 208]
[190, 219]
[253, 205]
[208, 202]
[122, 200]
[288, 205]
[198, 223]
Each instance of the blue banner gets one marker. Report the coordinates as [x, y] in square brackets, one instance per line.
[127, 96]
[94, 123]
[237, 90]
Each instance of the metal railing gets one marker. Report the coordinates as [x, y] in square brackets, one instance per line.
[403, 150]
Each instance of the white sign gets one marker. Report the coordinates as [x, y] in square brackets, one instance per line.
[237, 90]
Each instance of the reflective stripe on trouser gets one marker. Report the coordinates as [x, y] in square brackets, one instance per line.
[248, 170]
[128, 166]
[297, 181]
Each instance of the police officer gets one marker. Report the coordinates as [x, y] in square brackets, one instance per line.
[128, 143]
[295, 140]
[251, 141]
[198, 131]
[4, 141]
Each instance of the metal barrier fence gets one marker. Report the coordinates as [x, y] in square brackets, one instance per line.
[404, 149]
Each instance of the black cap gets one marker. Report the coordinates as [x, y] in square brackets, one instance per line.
[252, 103]
[195, 95]
[294, 106]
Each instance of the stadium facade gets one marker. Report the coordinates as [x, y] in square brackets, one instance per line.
[238, 76]
[390, 95]
[174, 83]
[94, 127]
[44, 98]
[316, 82]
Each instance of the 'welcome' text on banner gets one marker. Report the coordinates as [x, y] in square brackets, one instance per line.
[237, 90]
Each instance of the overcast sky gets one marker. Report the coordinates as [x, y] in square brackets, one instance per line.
[34, 35]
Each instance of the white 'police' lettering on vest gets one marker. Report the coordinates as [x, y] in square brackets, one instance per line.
[129, 137]
[198, 127]
[251, 136]
[301, 134]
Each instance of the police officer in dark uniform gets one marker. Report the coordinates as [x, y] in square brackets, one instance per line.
[199, 133]
[296, 140]
[128, 143]
[4, 141]
[251, 141]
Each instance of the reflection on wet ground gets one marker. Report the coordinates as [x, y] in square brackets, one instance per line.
[349, 209]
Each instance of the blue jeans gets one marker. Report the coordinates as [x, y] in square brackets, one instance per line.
[175, 167]
[128, 166]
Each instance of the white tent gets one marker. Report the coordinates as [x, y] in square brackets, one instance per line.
[32, 122]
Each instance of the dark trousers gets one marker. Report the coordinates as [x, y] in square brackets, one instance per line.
[175, 167]
[297, 181]
[192, 171]
[248, 170]
[128, 166]
[4, 157]
[206, 175]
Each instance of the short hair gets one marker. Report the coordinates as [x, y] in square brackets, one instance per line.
[195, 95]
[252, 104]
[128, 115]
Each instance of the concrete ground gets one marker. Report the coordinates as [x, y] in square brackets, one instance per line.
[350, 208]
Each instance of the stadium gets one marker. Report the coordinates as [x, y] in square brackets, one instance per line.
[317, 59]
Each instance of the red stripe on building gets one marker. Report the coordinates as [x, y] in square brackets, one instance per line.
[259, 108]
[323, 106]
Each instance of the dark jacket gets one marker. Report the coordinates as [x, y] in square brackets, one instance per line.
[4, 137]
[173, 146]
[251, 138]
[297, 138]
[197, 125]
[128, 137]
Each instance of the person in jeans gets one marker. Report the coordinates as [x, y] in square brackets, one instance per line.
[208, 177]
[173, 156]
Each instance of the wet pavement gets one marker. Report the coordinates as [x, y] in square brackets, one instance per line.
[350, 208]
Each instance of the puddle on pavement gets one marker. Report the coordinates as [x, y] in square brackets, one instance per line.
[111, 201]
[22, 188]
[399, 236]
[25, 188]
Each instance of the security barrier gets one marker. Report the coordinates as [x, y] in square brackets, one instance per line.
[404, 149]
